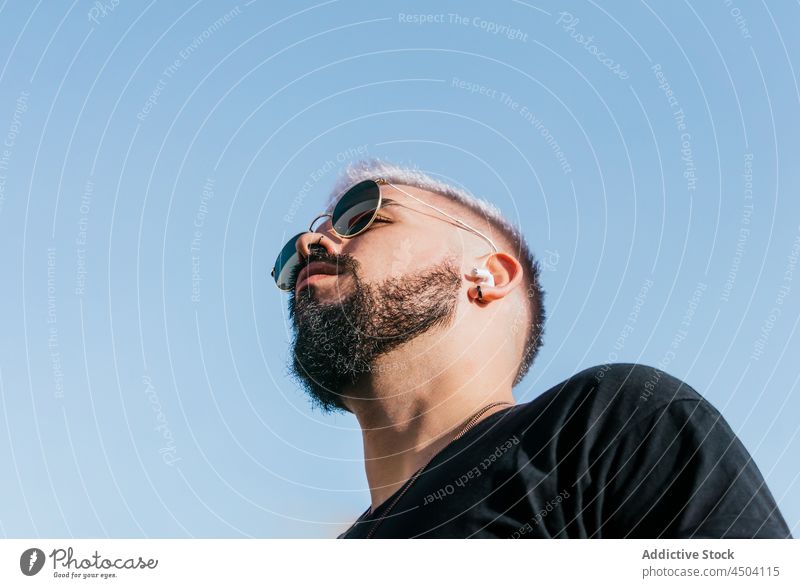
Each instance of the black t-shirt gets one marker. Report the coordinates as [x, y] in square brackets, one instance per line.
[618, 450]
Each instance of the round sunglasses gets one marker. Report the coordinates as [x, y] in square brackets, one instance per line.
[354, 212]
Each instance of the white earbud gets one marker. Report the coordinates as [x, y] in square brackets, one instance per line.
[484, 276]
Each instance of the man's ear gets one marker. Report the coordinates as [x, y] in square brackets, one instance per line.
[507, 273]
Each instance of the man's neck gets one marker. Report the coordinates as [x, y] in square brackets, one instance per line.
[404, 426]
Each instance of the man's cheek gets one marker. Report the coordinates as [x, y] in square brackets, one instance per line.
[402, 258]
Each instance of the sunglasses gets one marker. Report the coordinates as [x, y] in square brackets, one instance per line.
[354, 212]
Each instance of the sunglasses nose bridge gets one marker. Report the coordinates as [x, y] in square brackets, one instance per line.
[311, 228]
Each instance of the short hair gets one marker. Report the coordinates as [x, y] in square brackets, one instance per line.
[377, 168]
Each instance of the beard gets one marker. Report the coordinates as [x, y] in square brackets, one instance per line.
[336, 343]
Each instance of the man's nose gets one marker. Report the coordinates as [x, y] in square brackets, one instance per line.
[326, 239]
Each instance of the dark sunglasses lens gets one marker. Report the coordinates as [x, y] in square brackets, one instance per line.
[287, 262]
[356, 208]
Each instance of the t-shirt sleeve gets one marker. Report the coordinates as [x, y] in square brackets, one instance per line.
[681, 472]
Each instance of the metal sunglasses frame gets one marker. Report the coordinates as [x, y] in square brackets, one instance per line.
[381, 182]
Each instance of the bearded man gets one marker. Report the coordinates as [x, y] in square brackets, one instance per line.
[417, 307]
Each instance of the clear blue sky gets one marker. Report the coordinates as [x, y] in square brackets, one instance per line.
[156, 155]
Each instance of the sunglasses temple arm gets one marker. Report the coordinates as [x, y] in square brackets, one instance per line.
[474, 230]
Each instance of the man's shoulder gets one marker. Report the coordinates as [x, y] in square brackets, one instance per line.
[621, 383]
[636, 382]
[616, 394]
